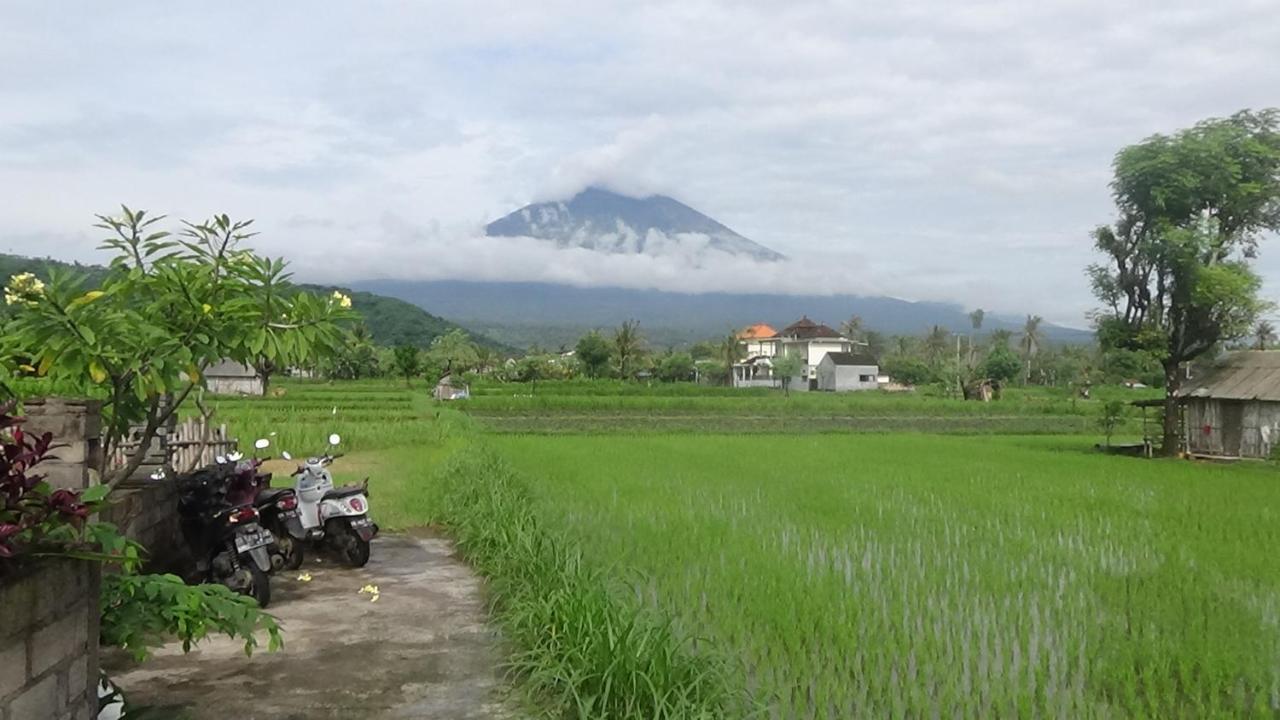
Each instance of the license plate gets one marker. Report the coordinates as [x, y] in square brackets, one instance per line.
[361, 522]
[248, 541]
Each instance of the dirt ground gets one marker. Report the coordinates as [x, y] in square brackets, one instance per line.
[422, 650]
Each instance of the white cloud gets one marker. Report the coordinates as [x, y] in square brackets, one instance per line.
[934, 150]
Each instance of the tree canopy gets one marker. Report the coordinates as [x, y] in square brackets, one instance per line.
[1192, 208]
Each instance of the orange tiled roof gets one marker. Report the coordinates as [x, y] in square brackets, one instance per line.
[759, 331]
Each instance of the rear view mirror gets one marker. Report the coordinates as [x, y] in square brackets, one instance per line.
[334, 439]
[262, 443]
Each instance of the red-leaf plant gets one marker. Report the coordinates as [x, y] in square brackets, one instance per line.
[35, 519]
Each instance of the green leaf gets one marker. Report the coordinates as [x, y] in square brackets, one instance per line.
[95, 493]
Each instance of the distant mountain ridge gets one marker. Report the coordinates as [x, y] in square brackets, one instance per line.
[605, 221]
[528, 313]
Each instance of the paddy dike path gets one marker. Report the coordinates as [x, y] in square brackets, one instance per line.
[424, 649]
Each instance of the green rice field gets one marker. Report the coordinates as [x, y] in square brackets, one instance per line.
[829, 574]
[922, 576]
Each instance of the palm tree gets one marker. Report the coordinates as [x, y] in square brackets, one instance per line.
[627, 347]
[975, 319]
[935, 345]
[1001, 338]
[730, 351]
[1030, 342]
[852, 328]
[1266, 333]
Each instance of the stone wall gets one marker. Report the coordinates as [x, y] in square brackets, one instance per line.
[49, 642]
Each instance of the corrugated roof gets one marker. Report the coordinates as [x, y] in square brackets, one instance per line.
[759, 331]
[1244, 375]
[852, 358]
[229, 369]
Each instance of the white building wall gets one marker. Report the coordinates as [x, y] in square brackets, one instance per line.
[761, 348]
[234, 385]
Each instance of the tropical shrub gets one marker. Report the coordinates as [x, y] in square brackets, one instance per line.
[168, 307]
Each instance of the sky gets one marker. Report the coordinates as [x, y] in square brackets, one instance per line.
[926, 150]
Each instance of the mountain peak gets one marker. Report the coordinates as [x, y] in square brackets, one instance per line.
[602, 220]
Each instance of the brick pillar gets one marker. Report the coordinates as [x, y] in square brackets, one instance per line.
[76, 424]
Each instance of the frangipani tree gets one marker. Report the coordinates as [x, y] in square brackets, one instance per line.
[170, 306]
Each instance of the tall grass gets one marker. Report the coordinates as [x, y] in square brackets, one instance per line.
[585, 650]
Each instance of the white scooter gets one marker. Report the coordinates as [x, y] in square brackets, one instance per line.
[336, 517]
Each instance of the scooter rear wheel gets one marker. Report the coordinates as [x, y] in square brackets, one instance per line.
[355, 550]
[290, 550]
[248, 580]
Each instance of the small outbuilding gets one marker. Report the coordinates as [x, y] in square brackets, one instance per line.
[844, 371]
[450, 388]
[227, 377]
[1234, 409]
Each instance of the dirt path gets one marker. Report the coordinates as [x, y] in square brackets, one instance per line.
[423, 650]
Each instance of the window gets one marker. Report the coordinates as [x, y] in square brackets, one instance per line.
[866, 378]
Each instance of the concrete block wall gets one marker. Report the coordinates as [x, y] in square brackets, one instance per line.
[49, 641]
[148, 515]
[77, 426]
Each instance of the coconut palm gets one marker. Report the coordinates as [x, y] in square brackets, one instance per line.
[935, 345]
[1031, 341]
[975, 319]
[852, 328]
[628, 345]
[1001, 338]
[730, 351]
[1265, 332]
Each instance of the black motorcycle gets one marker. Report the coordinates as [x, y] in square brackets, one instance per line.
[278, 508]
[228, 542]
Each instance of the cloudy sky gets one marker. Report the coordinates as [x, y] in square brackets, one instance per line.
[932, 150]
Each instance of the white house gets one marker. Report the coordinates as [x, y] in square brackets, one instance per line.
[844, 371]
[806, 339]
[811, 342]
[757, 345]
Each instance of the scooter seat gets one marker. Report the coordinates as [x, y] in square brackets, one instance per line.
[343, 492]
[267, 496]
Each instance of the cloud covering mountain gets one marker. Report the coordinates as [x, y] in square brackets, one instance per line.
[605, 221]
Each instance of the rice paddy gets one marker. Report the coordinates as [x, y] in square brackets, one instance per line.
[920, 576]
[836, 575]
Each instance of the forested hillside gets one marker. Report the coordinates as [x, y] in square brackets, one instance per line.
[390, 321]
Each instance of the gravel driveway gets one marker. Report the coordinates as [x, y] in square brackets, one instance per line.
[424, 649]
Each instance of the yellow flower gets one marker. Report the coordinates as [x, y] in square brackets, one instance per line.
[305, 576]
[372, 591]
[23, 288]
[342, 301]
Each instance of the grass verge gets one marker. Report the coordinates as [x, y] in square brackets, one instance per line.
[583, 650]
